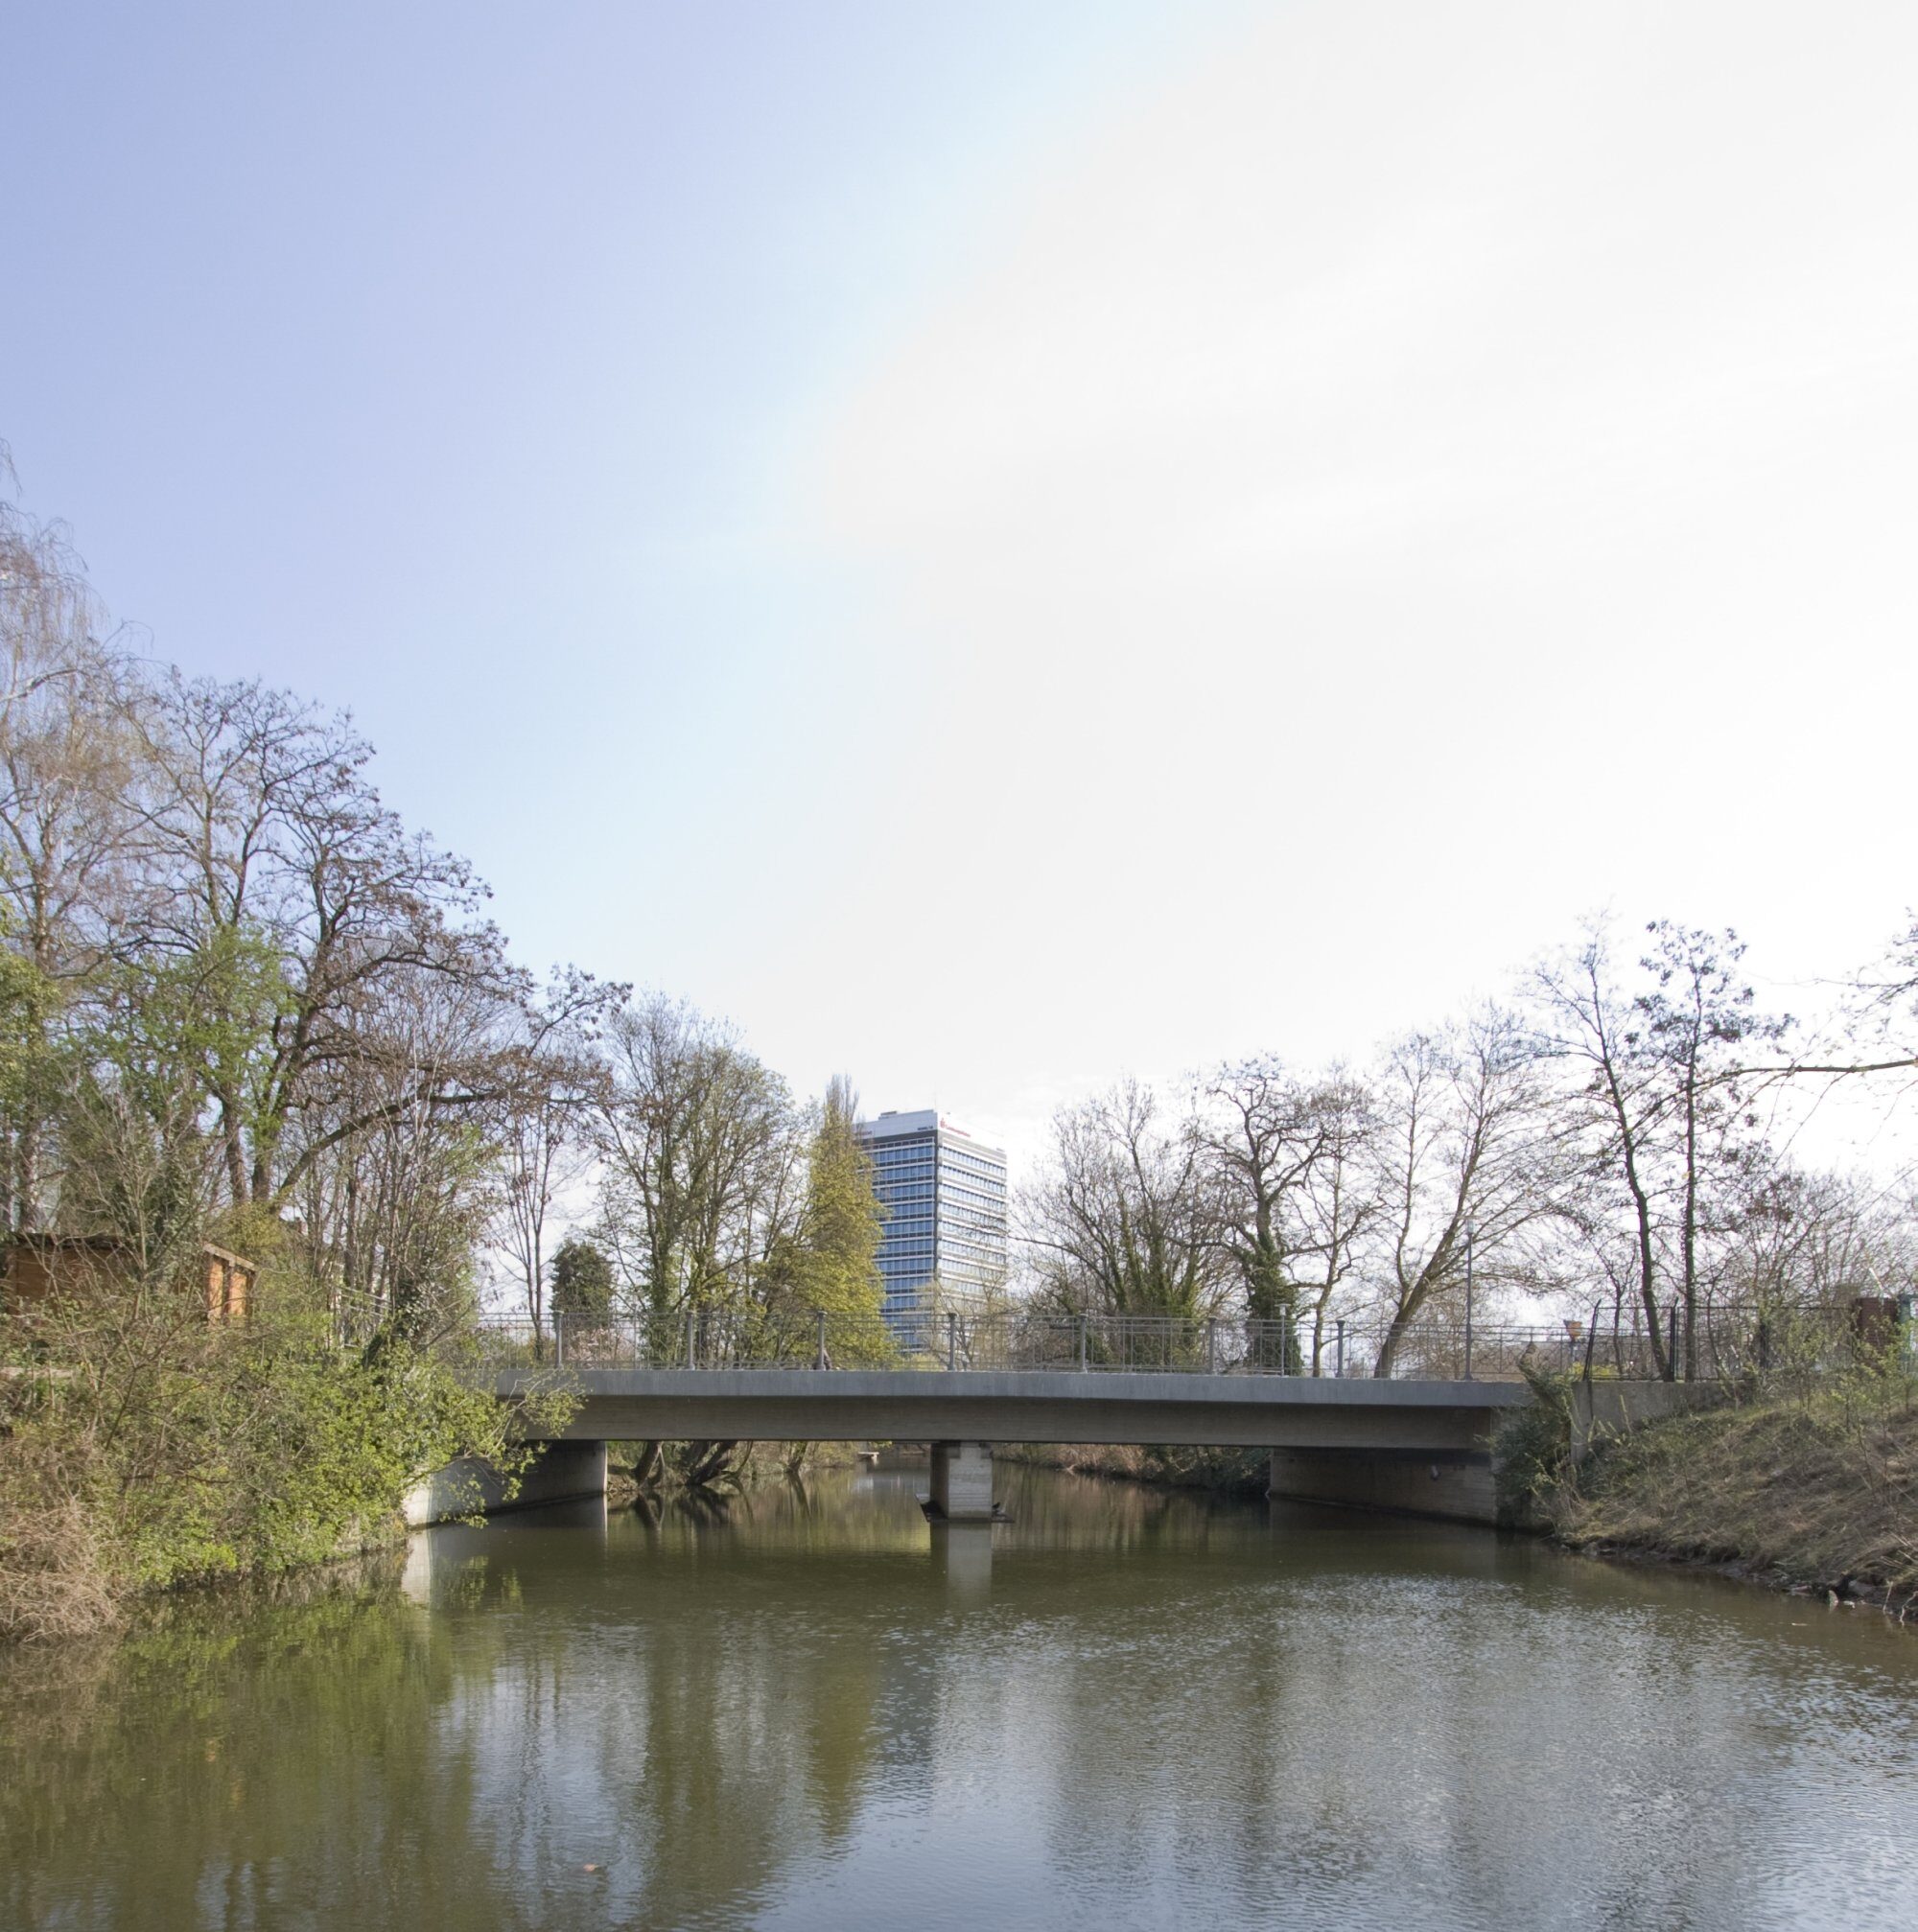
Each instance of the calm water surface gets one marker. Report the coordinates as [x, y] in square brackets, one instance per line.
[1120, 1709]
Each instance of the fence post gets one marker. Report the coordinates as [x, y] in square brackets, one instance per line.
[1082, 1344]
[1671, 1346]
[558, 1339]
[688, 1338]
[1212, 1344]
[1340, 1370]
[952, 1340]
[820, 1360]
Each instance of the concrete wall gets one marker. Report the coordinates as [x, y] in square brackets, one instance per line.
[1454, 1483]
[565, 1472]
[1601, 1408]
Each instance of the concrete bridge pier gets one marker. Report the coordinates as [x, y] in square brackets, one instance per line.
[962, 1482]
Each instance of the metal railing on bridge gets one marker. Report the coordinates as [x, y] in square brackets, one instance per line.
[1028, 1341]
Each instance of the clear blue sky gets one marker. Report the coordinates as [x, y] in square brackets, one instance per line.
[1291, 502]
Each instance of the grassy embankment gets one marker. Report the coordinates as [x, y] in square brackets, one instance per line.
[1808, 1483]
[1811, 1487]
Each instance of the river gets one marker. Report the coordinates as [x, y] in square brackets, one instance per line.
[1121, 1708]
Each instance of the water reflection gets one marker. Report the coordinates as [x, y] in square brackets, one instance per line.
[809, 1706]
[962, 1554]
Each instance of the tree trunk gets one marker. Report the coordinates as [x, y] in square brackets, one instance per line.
[705, 1460]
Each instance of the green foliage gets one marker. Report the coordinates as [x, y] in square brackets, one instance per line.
[29, 1002]
[582, 1280]
[829, 1263]
[165, 1449]
[160, 1035]
[837, 1268]
[1531, 1448]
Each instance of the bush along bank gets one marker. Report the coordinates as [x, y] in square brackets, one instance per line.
[1809, 1484]
[143, 1447]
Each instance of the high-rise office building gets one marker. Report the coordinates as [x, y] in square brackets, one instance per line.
[944, 1196]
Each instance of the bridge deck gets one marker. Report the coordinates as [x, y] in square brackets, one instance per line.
[785, 1404]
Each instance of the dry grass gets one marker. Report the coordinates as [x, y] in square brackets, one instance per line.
[1821, 1486]
[55, 1578]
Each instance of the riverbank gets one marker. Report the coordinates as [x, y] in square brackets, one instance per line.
[1813, 1490]
[143, 1450]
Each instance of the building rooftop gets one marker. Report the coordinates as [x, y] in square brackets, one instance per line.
[921, 1120]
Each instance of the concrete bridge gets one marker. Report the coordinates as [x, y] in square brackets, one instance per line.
[1411, 1445]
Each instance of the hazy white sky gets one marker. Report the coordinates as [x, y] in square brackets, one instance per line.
[1004, 546]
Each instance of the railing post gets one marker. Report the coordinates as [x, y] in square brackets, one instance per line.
[1340, 1370]
[1212, 1344]
[819, 1358]
[688, 1338]
[1082, 1344]
[952, 1340]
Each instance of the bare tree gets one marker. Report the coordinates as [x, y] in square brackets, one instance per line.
[261, 824]
[1127, 1222]
[547, 1151]
[66, 785]
[1263, 1138]
[699, 1143]
[1337, 1203]
[1463, 1144]
[1660, 1109]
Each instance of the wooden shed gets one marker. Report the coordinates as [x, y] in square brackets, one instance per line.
[41, 1265]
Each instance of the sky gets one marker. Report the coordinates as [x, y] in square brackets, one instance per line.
[1000, 547]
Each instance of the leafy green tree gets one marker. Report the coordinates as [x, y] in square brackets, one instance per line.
[582, 1281]
[838, 1263]
[139, 1161]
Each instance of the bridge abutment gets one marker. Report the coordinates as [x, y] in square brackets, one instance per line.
[962, 1480]
[565, 1471]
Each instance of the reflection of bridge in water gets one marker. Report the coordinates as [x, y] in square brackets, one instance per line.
[959, 1555]
[1418, 1438]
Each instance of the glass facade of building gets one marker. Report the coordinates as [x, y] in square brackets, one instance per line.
[944, 1197]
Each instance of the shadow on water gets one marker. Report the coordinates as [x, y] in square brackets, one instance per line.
[1119, 1708]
